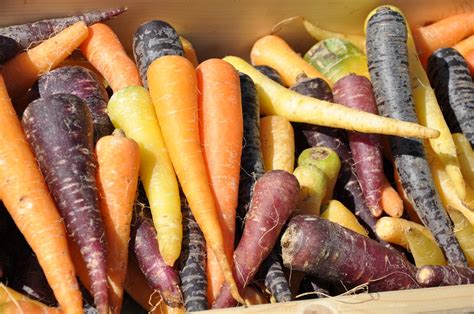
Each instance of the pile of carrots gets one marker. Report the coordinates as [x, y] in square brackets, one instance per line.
[163, 184]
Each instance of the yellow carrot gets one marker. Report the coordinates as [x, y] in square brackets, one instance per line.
[424, 249]
[394, 230]
[466, 157]
[278, 143]
[277, 100]
[336, 212]
[464, 231]
[131, 110]
[321, 34]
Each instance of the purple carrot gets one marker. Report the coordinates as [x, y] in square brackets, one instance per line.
[159, 276]
[275, 279]
[333, 253]
[434, 276]
[274, 198]
[59, 130]
[30, 34]
[355, 92]
[192, 266]
[270, 73]
[84, 84]
[8, 48]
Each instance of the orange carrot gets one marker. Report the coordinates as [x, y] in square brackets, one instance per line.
[173, 88]
[391, 202]
[15, 307]
[221, 131]
[189, 52]
[465, 46]
[406, 202]
[21, 72]
[118, 163]
[444, 33]
[469, 57]
[273, 51]
[27, 199]
[103, 49]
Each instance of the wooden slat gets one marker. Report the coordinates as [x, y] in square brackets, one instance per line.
[433, 300]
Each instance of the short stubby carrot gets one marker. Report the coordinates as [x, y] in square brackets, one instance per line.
[221, 131]
[103, 49]
[26, 196]
[173, 88]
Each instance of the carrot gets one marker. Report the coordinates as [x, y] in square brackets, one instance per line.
[189, 52]
[444, 33]
[275, 280]
[273, 51]
[8, 48]
[469, 57]
[391, 202]
[434, 276]
[139, 123]
[103, 49]
[277, 100]
[464, 233]
[321, 34]
[220, 131]
[21, 72]
[394, 230]
[117, 184]
[13, 307]
[424, 249]
[465, 46]
[270, 72]
[278, 143]
[466, 158]
[387, 55]
[8, 294]
[313, 185]
[22, 188]
[173, 88]
[336, 212]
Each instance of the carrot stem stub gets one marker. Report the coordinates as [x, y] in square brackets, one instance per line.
[173, 88]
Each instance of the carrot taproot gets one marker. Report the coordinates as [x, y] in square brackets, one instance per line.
[321, 34]
[465, 46]
[189, 52]
[117, 184]
[21, 72]
[391, 202]
[387, 55]
[153, 40]
[220, 132]
[274, 276]
[64, 121]
[270, 73]
[8, 48]
[277, 100]
[424, 249]
[22, 188]
[443, 33]
[8, 294]
[469, 58]
[173, 89]
[278, 143]
[466, 158]
[336, 212]
[313, 185]
[14, 307]
[105, 52]
[273, 51]
[449, 275]
[394, 230]
[464, 231]
[454, 88]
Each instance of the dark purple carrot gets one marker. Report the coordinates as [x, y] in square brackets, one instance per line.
[452, 83]
[347, 188]
[8, 48]
[192, 265]
[386, 34]
[252, 159]
[275, 280]
[31, 34]
[333, 253]
[274, 199]
[356, 92]
[270, 73]
[159, 276]
[434, 276]
[59, 130]
[152, 40]
[84, 84]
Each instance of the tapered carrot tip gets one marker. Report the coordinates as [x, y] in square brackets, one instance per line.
[219, 252]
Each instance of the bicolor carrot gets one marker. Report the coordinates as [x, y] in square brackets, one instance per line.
[103, 49]
[131, 110]
[22, 188]
[118, 163]
[21, 72]
[273, 51]
[173, 88]
[277, 100]
[220, 130]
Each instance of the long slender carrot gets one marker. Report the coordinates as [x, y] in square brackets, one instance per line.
[444, 33]
[103, 49]
[21, 72]
[273, 51]
[221, 131]
[173, 88]
[25, 195]
[118, 163]
[277, 100]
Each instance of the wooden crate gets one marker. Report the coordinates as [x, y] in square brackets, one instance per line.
[218, 28]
